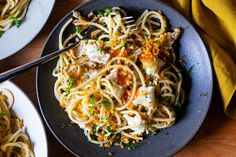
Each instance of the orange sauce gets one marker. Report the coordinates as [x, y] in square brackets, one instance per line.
[146, 58]
[114, 53]
[122, 80]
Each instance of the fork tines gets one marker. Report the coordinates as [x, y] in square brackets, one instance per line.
[130, 22]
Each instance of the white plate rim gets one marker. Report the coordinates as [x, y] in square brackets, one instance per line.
[30, 39]
[13, 87]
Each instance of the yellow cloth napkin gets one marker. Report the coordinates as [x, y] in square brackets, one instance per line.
[216, 22]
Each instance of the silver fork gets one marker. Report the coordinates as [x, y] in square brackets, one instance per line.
[130, 23]
[15, 71]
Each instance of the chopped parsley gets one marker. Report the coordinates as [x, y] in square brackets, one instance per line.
[91, 113]
[71, 81]
[100, 49]
[178, 104]
[86, 42]
[77, 28]
[94, 128]
[108, 10]
[154, 41]
[94, 37]
[190, 70]
[92, 98]
[126, 45]
[67, 90]
[16, 22]
[100, 13]
[152, 83]
[94, 137]
[153, 133]
[2, 114]
[178, 79]
[1, 33]
[145, 69]
[106, 104]
[57, 71]
[131, 145]
[109, 129]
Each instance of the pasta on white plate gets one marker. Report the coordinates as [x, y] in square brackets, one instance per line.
[122, 83]
[13, 141]
[12, 13]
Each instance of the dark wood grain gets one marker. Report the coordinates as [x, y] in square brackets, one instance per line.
[216, 137]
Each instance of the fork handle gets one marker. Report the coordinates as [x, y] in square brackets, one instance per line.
[15, 71]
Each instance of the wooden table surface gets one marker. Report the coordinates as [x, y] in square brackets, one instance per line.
[216, 137]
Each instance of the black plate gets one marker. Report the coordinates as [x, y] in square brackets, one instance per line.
[167, 141]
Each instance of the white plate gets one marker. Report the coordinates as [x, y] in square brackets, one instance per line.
[24, 109]
[15, 38]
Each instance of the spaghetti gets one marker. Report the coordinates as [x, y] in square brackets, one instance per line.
[121, 83]
[13, 141]
[12, 12]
